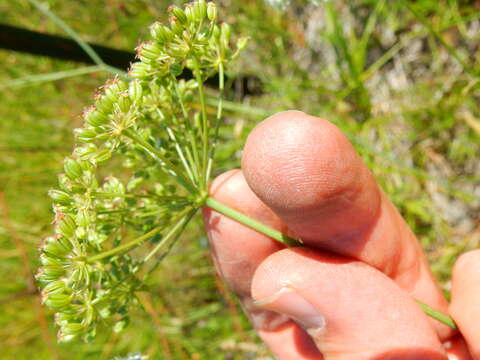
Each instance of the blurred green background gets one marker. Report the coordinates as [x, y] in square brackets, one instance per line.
[401, 79]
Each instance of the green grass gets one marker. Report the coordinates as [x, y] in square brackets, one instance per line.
[401, 82]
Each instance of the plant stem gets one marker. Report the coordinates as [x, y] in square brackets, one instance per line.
[174, 171]
[437, 315]
[44, 8]
[119, 249]
[135, 242]
[171, 234]
[221, 89]
[251, 223]
[190, 130]
[41, 78]
[201, 94]
[284, 239]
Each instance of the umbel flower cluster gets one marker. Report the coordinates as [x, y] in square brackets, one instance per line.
[151, 129]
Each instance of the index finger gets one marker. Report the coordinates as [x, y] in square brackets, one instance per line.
[308, 173]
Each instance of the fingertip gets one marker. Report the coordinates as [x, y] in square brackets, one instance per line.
[465, 299]
[303, 167]
[467, 264]
[346, 306]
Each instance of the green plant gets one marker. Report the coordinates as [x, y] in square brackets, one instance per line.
[156, 128]
[151, 127]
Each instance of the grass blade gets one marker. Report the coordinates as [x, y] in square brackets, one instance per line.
[42, 78]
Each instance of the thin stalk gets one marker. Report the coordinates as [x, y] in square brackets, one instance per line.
[171, 234]
[191, 133]
[125, 247]
[180, 154]
[170, 246]
[73, 34]
[108, 195]
[204, 126]
[174, 170]
[284, 239]
[237, 107]
[437, 315]
[221, 87]
[251, 223]
[135, 242]
[41, 78]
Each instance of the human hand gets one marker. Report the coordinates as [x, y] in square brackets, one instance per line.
[349, 293]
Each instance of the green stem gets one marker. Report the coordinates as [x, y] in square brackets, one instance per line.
[135, 242]
[41, 78]
[284, 239]
[190, 130]
[180, 154]
[437, 315]
[171, 234]
[251, 223]
[44, 8]
[174, 170]
[201, 93]
[221, 87]
[125, 247]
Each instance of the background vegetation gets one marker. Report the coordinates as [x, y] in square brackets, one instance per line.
[400, 78]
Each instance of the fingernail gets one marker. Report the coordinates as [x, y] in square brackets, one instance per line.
[263, 319]
[289, 302]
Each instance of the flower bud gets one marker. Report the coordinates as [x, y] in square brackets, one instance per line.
[60, 197]
[124, 102]
[66, 226]
[84, 152]
[135, 91]
[102, 156]
[242, 43]
[105, 104]
[189, 12]
[216, 32]
[72, 329]
[162, 33]
[49, 261]
[85, 134]
[225, 36]
[149, 51]
[54, 287]
[154, 30]
[94, 117]
[178, 13]
[115, 86]
[139, 70]
[72, 168]
[58, 247]
[211, 11]
[176, 26]
[57, 301]
[200, 9]
[63, 318]
[51, 272]
[82, 218]
[78, 278]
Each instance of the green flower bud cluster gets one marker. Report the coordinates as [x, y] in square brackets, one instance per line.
[149, 131]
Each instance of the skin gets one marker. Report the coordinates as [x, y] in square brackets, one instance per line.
[348, 292]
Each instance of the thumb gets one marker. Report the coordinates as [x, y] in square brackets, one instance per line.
[465, 299]
[351, 310]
